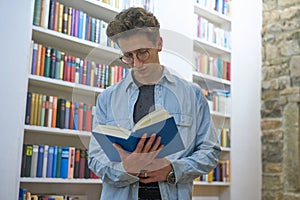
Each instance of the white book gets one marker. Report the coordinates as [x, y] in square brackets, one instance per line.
[50, 111]
[33, 168]
[45, 161]
[46, 5]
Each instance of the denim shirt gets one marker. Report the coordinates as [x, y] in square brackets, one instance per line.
[186, 103]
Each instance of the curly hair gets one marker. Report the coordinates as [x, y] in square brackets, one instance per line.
[131, 21]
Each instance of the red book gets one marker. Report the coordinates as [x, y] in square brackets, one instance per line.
[56, 16]
[73, 69]
[80, 116]
[88, 117]
[82, 163]
[84, 72]
[66, 58]
[71, 162]
[72, 112]
[228, 71]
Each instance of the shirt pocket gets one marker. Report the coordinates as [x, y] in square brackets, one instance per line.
[182, 120]
[122, 122]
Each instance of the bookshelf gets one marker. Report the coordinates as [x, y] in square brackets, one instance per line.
[89, 188]
[101, 54]
[203, 44]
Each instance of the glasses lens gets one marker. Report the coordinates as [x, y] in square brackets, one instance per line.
[143, 54]
[127, 60]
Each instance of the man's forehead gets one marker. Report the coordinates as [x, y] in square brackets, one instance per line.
[134, 42]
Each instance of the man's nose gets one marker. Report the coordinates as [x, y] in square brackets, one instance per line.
[136, 61]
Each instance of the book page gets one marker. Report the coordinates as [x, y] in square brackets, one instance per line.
[152, 118]
[115, 131]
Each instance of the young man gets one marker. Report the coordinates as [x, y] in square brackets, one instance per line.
[147, 87]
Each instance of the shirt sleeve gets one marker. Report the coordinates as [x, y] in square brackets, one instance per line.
[109, 172]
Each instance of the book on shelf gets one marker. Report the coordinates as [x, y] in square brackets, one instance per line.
[159, 122]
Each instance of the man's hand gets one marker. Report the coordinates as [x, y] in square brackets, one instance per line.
[157, 171]
[142, 156]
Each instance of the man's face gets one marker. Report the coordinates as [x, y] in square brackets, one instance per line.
[142, 54]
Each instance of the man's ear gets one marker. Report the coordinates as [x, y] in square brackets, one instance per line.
[159, 44]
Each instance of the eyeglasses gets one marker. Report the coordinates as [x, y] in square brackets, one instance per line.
[141, 54]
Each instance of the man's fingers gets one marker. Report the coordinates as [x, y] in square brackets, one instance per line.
[140, 145]
[149, 143]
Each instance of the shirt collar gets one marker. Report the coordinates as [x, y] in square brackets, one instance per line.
[166, 75]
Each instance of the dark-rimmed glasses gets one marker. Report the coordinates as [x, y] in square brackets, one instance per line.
[141, 54]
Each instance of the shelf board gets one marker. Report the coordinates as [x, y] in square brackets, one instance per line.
[219, 184]
[201, 45]
[58, 131]
[213, 16]
[211, 78]
[60, 84]
[93, 8]
[75, 46]
[218, 114]
[59, 180]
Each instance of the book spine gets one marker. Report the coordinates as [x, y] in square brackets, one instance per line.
[51, 15]
[35, 151]
[50, 109]
[58, 165]
[46, 5]
[57, 64]
[76, 163]
[50, 162]
[67, 114]
[65, 20]
[29, 148]
[39, 171]
[64, 162]
[62, 113]
[72, 111]
[54, 166]
[39, 109]
[82, 163]
[45, 161]
[28, 108]
[54, 112]
[37, 12]
[71, 162]
[34, 58]
[62, 66]
[80, 116]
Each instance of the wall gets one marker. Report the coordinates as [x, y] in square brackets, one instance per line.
[15, 39]
[280, 99]
[246, 73]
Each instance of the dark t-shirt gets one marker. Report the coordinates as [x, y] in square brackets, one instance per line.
[143, 106]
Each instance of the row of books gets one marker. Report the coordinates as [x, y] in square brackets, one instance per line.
[24, 194]
[56, 16]
[54, 112]
[221, 6]
[122, 4]
[45, 161]
[211, 33]
[218, 100]
[212, 66]
[224, 137]
[50, 62]
[221, 173]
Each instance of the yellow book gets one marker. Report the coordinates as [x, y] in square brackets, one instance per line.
[60, 18]
[31, 122]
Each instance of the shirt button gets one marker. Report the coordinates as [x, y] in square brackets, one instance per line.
[134, 185]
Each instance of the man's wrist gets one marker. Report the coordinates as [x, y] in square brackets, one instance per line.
[171, 178]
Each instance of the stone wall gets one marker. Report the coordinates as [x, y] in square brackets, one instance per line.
[280, 100]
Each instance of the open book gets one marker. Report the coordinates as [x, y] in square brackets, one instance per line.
[159, 122]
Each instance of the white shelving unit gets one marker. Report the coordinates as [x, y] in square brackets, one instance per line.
[214, 190]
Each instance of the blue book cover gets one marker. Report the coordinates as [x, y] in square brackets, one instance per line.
[88, 73]
[54, 166]
[64, 162]
[165, 127]
[73, 22]
[76, 116]
[50, 162]
[39, 170]
[34, 58]
[93, 30]
[80, 23]
[80, 71]
[22, 193]
[51, 15]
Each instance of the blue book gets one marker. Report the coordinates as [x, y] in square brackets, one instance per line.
[51, 15]
[93, 30]
[54, 166]
[159, 122]
[88, 73]
[64, 162]
[50, 162]
[22, 193]
[80, 23]
[34, 58]
[76, 116]
[39, 169]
